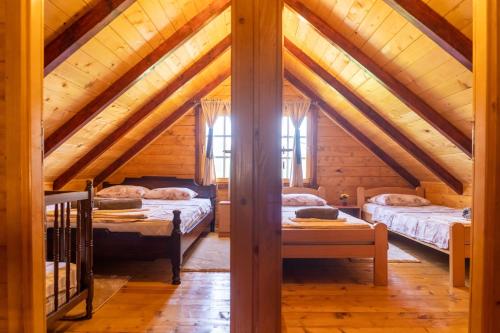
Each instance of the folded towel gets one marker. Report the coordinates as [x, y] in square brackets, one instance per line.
[117, 203]
[313, 220]
[322, 213]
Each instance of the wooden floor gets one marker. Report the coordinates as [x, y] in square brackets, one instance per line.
[318, 296]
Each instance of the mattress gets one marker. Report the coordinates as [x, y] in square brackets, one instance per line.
[49, 284]
[430, 224]
[159, 217]
[351, 222]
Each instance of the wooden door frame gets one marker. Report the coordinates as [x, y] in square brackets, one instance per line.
[23, 139]
[485, 266]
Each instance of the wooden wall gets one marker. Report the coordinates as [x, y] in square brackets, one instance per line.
[172, 154]
[344, 164]
[440, 194]
[3, 263]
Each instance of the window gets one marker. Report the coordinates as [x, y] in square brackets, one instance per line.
[222, 146]
[287, 134]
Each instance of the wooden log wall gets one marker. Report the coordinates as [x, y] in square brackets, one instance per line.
[440, 194]
[344, 164]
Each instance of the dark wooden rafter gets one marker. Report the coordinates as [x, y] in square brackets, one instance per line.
[377, 119]
[108, 96]
[437, 28]
[408, 97]
[143, 112]
[352, 130]
[81, 31]
[159, 129]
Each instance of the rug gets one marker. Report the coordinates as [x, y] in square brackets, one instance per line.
[210, 254]
[105, 287]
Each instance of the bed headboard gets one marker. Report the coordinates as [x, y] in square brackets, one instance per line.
[320, 192]
[366, 193]
[151, 182]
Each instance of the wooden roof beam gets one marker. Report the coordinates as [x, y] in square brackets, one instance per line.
[408, 97]
[143, 112]
[81, 31]
[437, 28]
[352, 130]
[108, 96]
[379, 121]
[159, 129]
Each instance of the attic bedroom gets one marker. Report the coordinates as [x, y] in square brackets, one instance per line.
[249, 166]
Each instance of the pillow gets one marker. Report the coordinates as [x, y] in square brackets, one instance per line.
[392, 199]
[122, 191]
[302, 199]
[171, 193]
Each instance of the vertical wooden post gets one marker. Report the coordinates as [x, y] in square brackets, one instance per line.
[313, 144]
[485, 279]
[257, 79]
[457, 255]
[21, 169]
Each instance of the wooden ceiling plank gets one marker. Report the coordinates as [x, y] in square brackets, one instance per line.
[352, 130]
[408, 97]
[437, 28]
[143, 112]
[159, 129]
[103, 100]
[81, 31]
[377, 119]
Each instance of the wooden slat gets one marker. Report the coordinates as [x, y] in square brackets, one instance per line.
[81, 31]
[256, 112]
[351, 129]
[436, 28]
[158, 130]
[408, 97]
[96, 106]
[377, 119]
[143, 112]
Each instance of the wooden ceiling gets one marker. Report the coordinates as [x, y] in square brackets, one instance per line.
[137, 29]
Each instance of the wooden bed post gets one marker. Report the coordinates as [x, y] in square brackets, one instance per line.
[256, 110]
[176, 257]
[90, 249]
[380, 259]
[457, 255]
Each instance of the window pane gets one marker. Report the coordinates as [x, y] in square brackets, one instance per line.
[303, 127]
[219, 126]
[228, 125]
[227, 170]
[218, 146]
[219, 172]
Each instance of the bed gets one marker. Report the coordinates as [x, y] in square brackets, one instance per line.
[68, 269]
[438, 227]
[172, 228]
[354, 239]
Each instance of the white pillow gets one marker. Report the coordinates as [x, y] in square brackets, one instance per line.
[171, 193]
[392, 199]
[122, 191]
[302, 199]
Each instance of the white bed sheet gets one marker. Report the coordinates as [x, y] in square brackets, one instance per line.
[430, 224]
[159, 217]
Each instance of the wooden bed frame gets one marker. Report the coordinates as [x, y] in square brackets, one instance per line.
[110, 245]
[330, 243]
[69, 243]
[460, 234]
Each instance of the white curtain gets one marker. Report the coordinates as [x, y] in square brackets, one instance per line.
[211, 109]
[297, 111]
